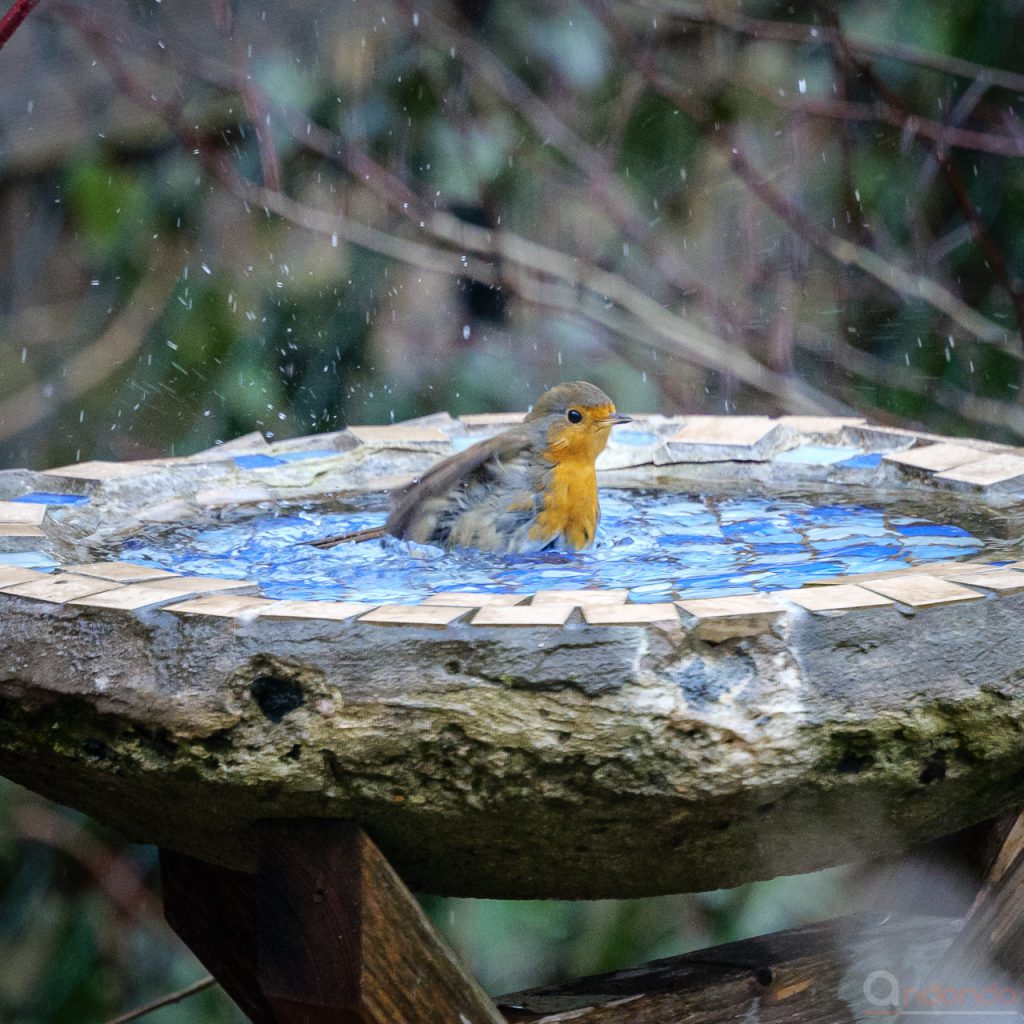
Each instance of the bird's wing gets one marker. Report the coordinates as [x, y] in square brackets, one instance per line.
[451, 473]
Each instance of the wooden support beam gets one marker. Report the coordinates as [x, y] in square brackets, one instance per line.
[819, 974]
[324, 933]
[989, 948]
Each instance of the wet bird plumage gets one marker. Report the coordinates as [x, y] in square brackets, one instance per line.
[532, 487]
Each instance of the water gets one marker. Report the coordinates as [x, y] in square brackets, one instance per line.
[658, 545]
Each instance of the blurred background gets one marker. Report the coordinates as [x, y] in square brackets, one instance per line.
[218, 216]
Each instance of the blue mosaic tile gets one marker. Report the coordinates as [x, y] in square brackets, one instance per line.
[47, 498]
[257, 461]
[870, 460]
[659, 546]
[28, 559]
[637, 438]
[817, 455]
[930, 530]
[302, 456]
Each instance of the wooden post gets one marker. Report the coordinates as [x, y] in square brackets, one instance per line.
[325, 933]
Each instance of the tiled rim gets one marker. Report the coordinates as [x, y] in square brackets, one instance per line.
[790, 449]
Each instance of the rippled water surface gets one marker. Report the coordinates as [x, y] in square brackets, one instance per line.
[658, 545]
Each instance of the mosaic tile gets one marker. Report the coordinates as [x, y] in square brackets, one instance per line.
[131, 598]
[724, 438]
[492, 419]
[398, 434]
[300, 456]
[11, 574]
[827, 599]
[1002, 581]
[20, 512]
[987, 472]
[120, 572]
[869, 460]
[52, 498]
[935, 457]
[219, 496]
[816, 455]
[630, 614]
[524, 615]
[821, 424]
[333, 611]
[224, 606]
[581, 597]
[728, 618]
[28, 559]
[436, 616]
[59, 588]
[254, 442]
[467, 599]
[20, 530]
[928, 569]
[921, 591]
[202, 585]
[258, 461]
[100, 471]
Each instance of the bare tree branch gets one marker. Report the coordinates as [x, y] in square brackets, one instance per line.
[823, 35]
[16, 14]
[169, 1000]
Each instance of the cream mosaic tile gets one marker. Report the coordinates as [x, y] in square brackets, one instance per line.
[922, 591]
[469, 599]
[22, 512]
[630, 614]
[100, 471]
[203, 585]
[134, 597]
[524, 615]
[581, 597]
[120, 572]
[935, 457]
[20, 530]
[334, 611]
[844, 597]
[434, 615]
[987, 472]
[398, 434]
[11, 574]
[219, 605]
[59, 588]
[727, 618]
[1002, 581]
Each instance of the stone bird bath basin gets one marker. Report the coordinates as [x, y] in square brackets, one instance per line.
[570, 743]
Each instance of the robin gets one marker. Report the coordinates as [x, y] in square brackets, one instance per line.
[531, 488]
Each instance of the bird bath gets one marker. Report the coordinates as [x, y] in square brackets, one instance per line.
[797, 644]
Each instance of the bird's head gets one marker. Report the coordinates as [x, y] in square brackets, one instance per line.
[573, 421]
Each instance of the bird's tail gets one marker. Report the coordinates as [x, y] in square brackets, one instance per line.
[357, 537]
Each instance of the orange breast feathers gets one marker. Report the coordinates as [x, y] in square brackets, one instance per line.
[570, 506]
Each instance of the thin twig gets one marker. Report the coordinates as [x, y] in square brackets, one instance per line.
[989, 246]
[844, 110]
[175, 997]
[103, 357]
[683, 338]
[821, 35]
[15, 15]
[887, 273]
[602, 180]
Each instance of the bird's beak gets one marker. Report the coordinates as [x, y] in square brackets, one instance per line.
[615, 419]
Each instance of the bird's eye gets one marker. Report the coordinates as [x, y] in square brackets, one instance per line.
[574, 416]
